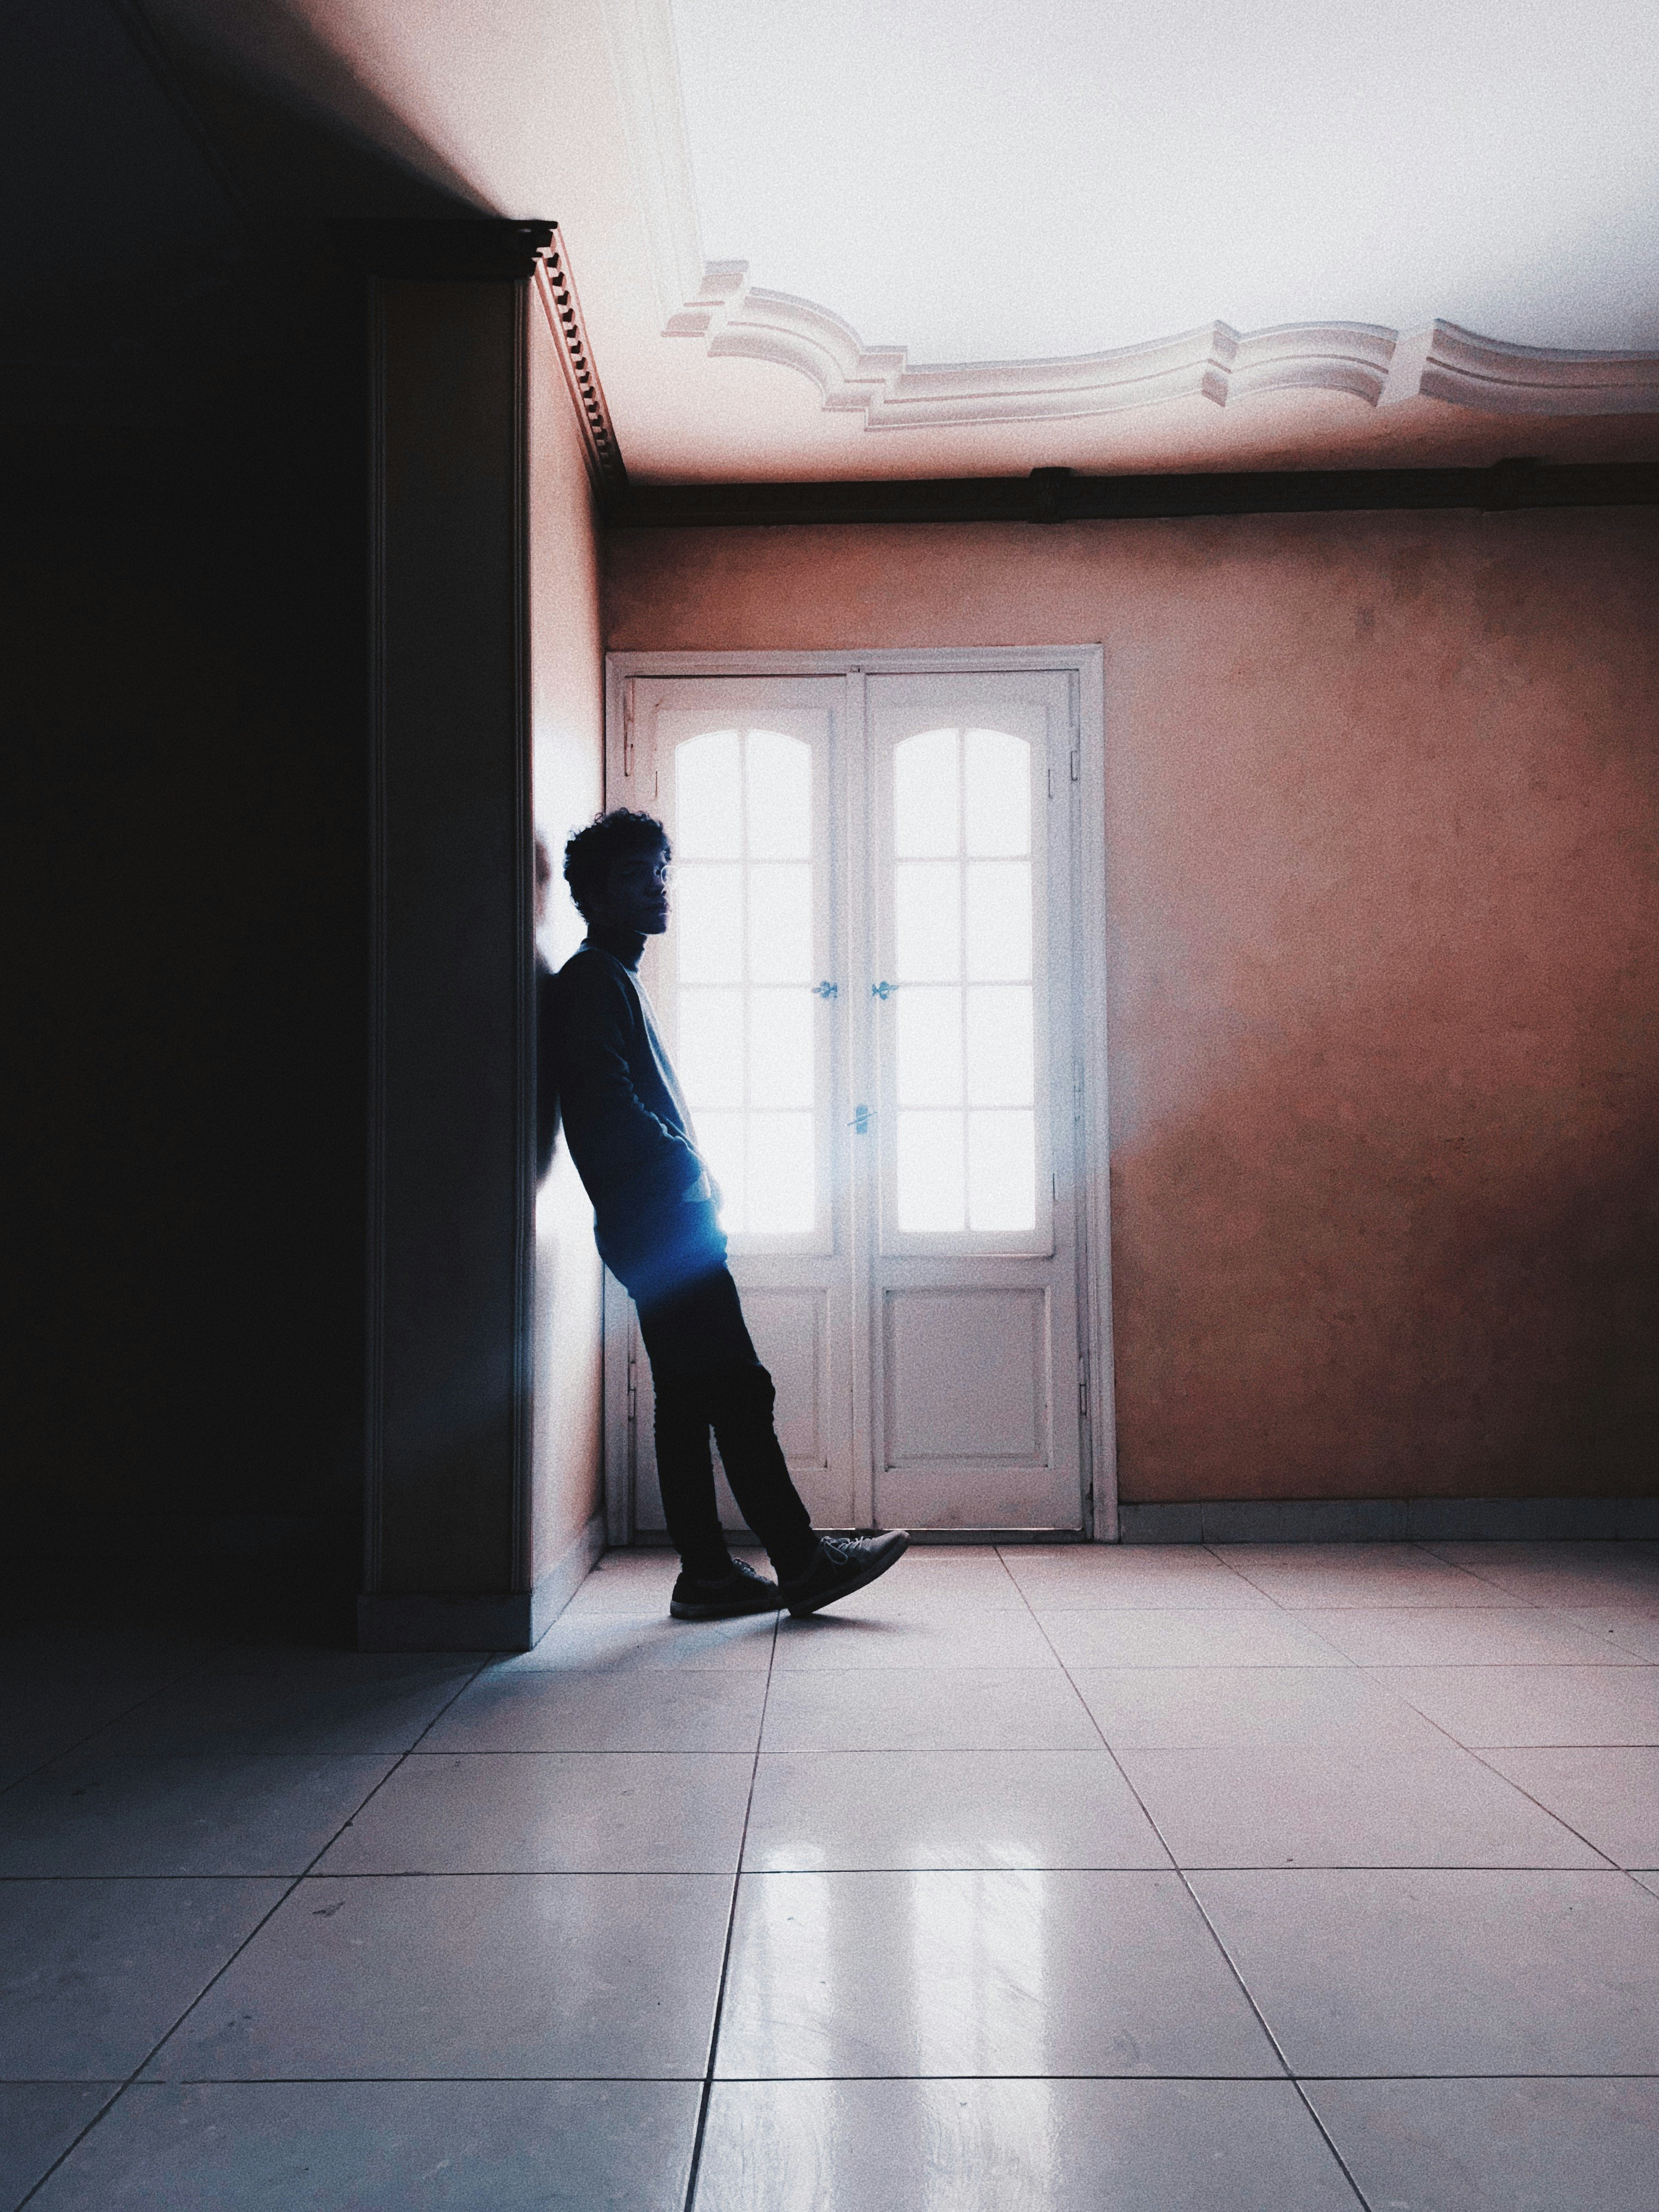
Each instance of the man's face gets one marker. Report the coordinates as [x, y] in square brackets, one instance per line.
[637, 894]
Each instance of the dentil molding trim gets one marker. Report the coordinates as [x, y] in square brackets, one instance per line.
[715, 302]
[557, 295]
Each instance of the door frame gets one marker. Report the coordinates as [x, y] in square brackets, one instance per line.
[1084, 665]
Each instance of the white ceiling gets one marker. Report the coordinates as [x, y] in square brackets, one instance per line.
[979, 180]
[779, 214]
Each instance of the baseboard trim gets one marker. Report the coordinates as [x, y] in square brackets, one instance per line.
[487, 1621]
[1390, 1520]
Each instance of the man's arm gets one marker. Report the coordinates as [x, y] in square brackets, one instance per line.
[628, 1157]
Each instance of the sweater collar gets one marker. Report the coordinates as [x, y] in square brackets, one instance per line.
[627, 945]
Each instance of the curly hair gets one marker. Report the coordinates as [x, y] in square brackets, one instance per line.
[590, 854]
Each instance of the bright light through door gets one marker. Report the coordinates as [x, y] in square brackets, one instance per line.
[743, 909]
[965, 1041]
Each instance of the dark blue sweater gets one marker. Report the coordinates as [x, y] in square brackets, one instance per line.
[627, 1124]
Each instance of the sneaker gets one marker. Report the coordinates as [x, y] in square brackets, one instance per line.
[740, 1591]
[841, 1565]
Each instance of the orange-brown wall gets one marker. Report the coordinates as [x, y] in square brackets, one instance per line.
[1382, 926]
[568, 737]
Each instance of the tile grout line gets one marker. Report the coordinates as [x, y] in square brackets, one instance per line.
[263, 1921]
[695, 2167]
[1360, 2198]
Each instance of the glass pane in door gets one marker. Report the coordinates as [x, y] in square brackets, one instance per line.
[965, 1042]
[744, 911]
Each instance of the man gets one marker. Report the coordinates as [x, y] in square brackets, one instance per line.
[657, 1223]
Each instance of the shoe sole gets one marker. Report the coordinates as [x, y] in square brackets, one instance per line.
[678, 1610]
[858, 1582]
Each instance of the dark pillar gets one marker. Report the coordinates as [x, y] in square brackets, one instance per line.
[451, 1158]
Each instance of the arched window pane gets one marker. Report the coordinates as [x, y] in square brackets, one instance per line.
[708, 798]
[926, 797]
[996, 794]
[780, 794]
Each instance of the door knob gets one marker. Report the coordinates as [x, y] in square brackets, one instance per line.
[882, 990]
[826, 990]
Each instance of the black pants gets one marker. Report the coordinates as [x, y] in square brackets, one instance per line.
[706, 1376]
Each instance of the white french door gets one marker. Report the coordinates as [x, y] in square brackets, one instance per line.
[869, 988]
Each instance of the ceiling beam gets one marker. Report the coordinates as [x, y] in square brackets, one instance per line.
[1058, 495]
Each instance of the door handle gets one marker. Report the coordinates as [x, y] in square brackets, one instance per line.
[825, 990]
[883, 990]
[862, 1117]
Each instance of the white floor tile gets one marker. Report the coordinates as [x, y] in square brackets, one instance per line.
[95, 1973]
[552, 1812]
[926, 1709]
[1497, 2145]
[1435, 1972]
[1610, 1796]
[1340, 1576]
[965, 1574]
[938, 1636]
[904, 1809]
[555, 1709]
[607, 1638]
[1631, 1630]
[1564, 1574]
[834, 1975]
[1362, 1807]
[1202, 1708]
[1464, 1636]
[386, 2147]
[1133, 1578]
[1529, 1705]
[1172, 1639]
[979, 2146]
[474, 1976]
[224, 1814]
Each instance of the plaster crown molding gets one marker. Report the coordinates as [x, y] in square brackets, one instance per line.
[557, 293]
[714, 301]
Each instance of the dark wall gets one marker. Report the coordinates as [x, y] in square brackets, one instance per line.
[182, 773]
[182, 794]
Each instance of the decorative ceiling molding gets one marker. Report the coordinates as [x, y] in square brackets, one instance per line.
[715, 302]
[1370, 362]
[557, 295]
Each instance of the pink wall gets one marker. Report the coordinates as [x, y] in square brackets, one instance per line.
[568, 722]
[1382, 832]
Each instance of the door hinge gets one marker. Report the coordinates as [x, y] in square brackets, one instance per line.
[1072, 689]
[628, 727]
[1076, 1090]
[632, 1390]
[1083, 1395]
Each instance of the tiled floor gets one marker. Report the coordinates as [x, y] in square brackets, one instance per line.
[1256, 1879]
